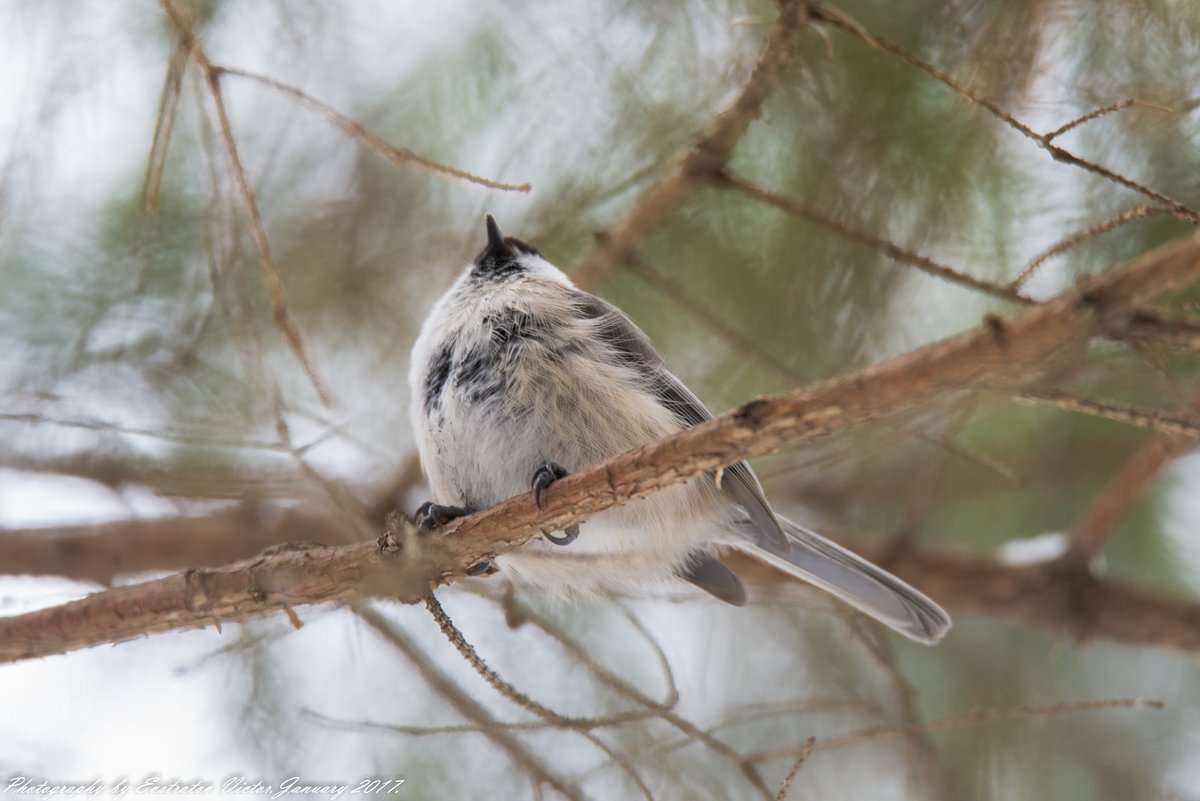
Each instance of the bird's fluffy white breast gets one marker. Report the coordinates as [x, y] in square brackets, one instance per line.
[568, 399]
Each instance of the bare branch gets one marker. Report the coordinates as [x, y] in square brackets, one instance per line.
[347, 724]
[518, 614]
[102, 552]
[1092, 531]
[708, 154]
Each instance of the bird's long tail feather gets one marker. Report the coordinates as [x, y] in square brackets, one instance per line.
[856, 581]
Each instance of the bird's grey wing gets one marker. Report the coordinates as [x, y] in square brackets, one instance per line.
[780, 542]
[706, 572]
[738, 482]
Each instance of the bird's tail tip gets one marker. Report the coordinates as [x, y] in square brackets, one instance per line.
[865, 586]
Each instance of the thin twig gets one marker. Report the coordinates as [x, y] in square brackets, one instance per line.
[663, 711]
[466, 706]
[166, 434]
[785, 786]
[840, 19]
[434, 731]
[991, 716]
[743, 714]
[164, 123]
[959, 721]
[582, 726]
[271, 276]
[614, 681]
[1140, 418]
[224, 255]
[889, 249]
[1079, 237]
[679, 294]
[357, 528]
[919, 744]
[400, 156]
[506, 689]
[994, 466]
[1102, 111]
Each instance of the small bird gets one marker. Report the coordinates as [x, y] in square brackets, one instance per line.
[519, 377]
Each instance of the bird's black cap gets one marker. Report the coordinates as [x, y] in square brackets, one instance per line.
[499, 257]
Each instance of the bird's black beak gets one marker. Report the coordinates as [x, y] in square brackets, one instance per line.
[495, 238]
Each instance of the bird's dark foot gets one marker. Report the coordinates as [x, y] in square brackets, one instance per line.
[431, 515]
[546, 474]
[568, 536]
[484, 568]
